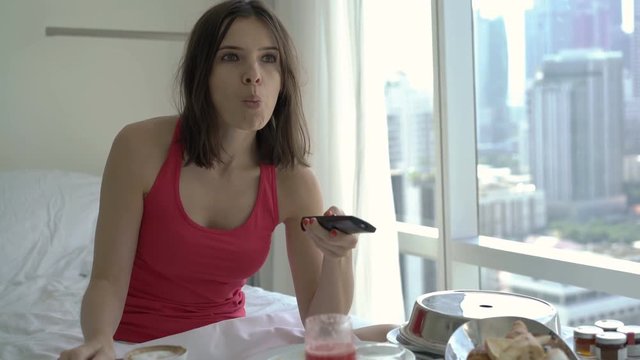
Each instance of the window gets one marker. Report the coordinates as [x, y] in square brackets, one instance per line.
[547, 186]
[556, 86]
[574, 304]
[409, 104]
[554, 94]
[408, 89]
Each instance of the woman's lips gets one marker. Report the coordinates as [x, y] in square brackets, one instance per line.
[252, 102]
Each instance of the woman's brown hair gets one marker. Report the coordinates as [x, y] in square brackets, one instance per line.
[284, 141]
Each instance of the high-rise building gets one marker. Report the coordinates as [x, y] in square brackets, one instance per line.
[632, 126]
[555, 25]
[632, 107]
[547, 31]
[412, 158]
[510, 206]
[409, 115]
[618, 39]
[411, 150]
[575, 128]
[590, 23]
[635, 50]
[491, 73]
[631, 168]
[576, 306]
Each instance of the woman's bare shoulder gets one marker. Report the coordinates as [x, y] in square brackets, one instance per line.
[298, 192]
[146, 137]
[144, 146]
[298, 178]
[154, 131]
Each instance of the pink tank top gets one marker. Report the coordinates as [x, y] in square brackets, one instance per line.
[185, 275]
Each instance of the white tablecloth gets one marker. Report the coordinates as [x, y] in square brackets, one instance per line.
[240, 338]
[233, 339]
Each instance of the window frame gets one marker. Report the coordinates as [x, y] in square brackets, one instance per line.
[455, 244]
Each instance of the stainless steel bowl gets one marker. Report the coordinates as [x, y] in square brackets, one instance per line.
[435, 316]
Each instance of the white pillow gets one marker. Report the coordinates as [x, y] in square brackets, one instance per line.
[47, 223]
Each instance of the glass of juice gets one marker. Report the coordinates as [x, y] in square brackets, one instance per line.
[329, 337]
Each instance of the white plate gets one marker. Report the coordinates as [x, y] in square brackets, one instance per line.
[295, 352]
[289, 352]
[174, 352]
[420, 353]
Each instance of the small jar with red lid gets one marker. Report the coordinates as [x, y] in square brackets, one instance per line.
[611, 345]
[584, 339]
[633, 339]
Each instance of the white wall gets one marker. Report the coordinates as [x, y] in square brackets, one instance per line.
[63, 99]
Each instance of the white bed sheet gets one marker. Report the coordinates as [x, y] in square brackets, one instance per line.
[47, 222]
[41, 318]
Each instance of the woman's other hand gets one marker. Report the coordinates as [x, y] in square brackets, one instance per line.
[91, 350]
[334, 243]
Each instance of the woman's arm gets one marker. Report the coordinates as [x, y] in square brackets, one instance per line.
[320, 261]
[116, 237]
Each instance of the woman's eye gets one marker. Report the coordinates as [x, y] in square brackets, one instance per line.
[229, 57]
[270, 58]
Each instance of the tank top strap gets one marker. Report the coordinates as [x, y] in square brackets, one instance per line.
[268, 182]
[169, 172]
[174, 159]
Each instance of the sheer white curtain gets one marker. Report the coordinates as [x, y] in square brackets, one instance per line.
[344, 103]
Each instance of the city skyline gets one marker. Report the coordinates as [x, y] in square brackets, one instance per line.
[575, 125]
[513, 14]
[570, 116]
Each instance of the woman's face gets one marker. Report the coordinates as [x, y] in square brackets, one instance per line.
[245, 80]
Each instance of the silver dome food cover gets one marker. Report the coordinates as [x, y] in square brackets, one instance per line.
[435, 316]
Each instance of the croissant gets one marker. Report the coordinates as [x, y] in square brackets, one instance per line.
[518, 344]
[521, 347]
[518, 328]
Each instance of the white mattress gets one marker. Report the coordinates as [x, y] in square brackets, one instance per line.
[47, 220]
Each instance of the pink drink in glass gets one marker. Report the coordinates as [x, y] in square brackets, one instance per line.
[329, 337]
[345, 351]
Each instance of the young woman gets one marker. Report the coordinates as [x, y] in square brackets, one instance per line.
[188, 203]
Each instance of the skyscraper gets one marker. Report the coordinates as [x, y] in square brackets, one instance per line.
[547, 31]
[491, 73]
[411, 151]
[635, 50]
[555, 25]
[632, 106]
[575, 122]
[590, 23]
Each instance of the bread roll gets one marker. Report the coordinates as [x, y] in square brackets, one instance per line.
[519, 344]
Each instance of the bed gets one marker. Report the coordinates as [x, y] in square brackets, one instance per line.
[47, 221]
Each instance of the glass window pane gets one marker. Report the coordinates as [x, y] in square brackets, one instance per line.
[558, 123]
[407, 65]
[408, 90]
[418, 278]
[576, 306]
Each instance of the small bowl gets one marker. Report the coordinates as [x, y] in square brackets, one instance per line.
[474, 332]
[435, 316]
[379, 351]
[164, 352]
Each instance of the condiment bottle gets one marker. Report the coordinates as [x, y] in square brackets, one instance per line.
[633, 339]
[611, 345]
[584, 339]
[609, 324]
